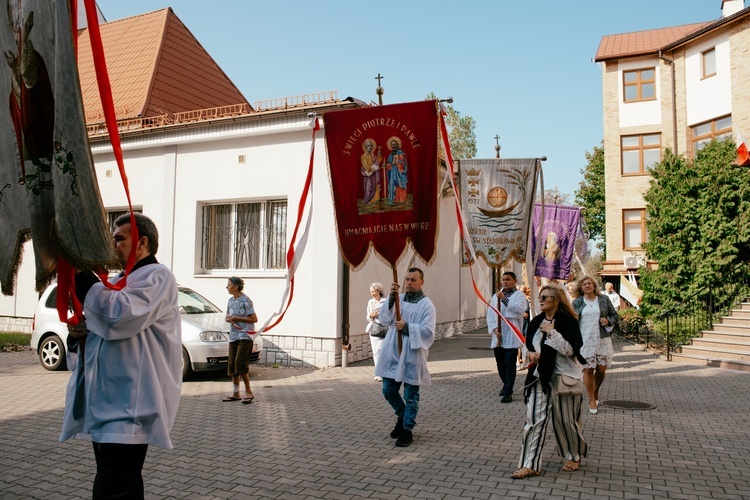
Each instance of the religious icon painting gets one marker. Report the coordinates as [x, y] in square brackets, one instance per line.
[383, 170]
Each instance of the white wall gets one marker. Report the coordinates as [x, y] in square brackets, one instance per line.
[188, 174]
[23, 301]
[633, 114]
[447, 284]
[711, 97]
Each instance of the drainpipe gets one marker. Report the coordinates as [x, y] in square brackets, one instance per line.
[345, 346]
[674, 101]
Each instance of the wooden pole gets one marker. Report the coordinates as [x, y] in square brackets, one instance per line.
[398, 311]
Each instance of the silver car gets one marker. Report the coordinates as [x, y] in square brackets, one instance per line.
[205, 334]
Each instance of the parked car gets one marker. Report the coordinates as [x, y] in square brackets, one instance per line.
[205, 334]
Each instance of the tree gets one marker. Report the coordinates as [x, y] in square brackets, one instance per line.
[591, 267]
[698, 224]
[590, 197]
[554, 196]
[461, 134]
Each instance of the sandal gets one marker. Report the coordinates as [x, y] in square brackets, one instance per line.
[247, 400]
[524, 473]
[571, 466]
[231, 398]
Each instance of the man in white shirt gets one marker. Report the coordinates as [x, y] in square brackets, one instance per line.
[609, 291]
[125, 388]
[505, 343]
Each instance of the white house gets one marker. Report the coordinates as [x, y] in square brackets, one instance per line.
[222, 181]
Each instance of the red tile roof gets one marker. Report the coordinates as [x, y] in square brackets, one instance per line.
[156, 67]
[641, 42]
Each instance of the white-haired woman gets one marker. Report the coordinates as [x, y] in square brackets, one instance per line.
[554, 343]
[374, 328]
[597, 317]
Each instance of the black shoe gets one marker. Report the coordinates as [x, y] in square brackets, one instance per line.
[396, 432]
[507, 399]
[404, 439]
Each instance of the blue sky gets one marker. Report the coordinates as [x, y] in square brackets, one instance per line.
[522, 69]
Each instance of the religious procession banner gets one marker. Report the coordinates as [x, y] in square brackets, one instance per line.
[496, 198]
[383, 171]
[559, 232]
[48, 188]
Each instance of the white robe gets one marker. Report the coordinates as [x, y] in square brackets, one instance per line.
[411, 366]
[132, 365]
[517, 305]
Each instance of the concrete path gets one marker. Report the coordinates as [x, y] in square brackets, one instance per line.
[324, 434]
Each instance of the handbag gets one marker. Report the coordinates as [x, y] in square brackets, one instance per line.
[568, 386]
[378, 330]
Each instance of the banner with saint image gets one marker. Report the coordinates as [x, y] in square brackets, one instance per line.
[383, 170]
[496, 198]
[559, 231]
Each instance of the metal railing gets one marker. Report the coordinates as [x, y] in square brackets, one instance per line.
[200, 115]
[698, 312]
[212, 113]
[297, 101]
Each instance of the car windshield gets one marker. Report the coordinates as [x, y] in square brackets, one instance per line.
[190, 302]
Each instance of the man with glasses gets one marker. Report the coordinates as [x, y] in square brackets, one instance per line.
[505, 343]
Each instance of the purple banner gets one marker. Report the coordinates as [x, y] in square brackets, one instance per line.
[559, 231]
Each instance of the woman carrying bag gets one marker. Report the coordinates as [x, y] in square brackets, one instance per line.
[597, 318]
[374, 328]
[554, 344]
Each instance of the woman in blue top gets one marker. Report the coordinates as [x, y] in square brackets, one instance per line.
[241, 315]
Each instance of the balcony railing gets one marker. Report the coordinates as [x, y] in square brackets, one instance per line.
[200, 115]
[297, 101]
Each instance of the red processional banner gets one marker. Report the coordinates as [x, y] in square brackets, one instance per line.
[383, 171]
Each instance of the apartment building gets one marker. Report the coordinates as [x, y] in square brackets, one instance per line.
[679, 88]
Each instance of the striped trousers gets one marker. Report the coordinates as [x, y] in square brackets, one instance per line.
[566, 422]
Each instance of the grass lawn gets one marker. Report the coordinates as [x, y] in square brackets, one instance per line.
[9, 340]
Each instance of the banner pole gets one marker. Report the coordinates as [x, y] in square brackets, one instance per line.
[398, 310]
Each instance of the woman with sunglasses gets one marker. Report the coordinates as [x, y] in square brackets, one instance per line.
[554, 343]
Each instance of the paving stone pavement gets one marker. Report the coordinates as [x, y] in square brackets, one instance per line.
[324, 434]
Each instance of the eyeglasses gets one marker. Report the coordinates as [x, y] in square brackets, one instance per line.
[542, 298]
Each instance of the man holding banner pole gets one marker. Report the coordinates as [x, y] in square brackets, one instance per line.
[416, 328]
[505, 343]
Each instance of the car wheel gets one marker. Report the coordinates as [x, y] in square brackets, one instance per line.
[187, 369]
[52, 353]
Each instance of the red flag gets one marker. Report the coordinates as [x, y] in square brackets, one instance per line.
[743, 155]
[383, 170]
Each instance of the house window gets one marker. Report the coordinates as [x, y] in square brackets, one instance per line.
[640, 152]
[702, 134]
[112, 216]
[244, 236]
[708, 63]
[639, 85]
[634, 229]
